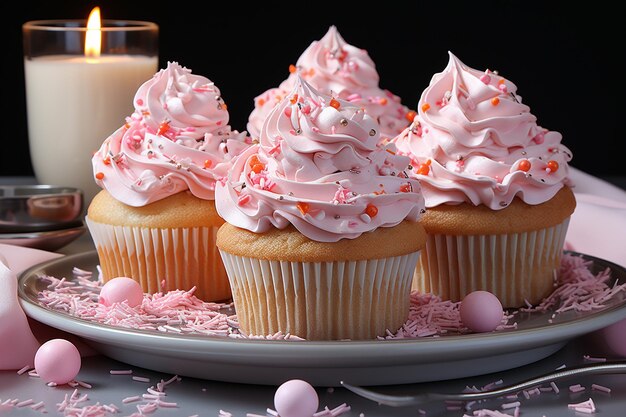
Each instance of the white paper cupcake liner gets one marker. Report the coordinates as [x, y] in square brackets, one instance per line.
[515, 267]
[182, 257]
[321, 300]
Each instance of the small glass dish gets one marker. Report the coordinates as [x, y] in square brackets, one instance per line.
[39, 208]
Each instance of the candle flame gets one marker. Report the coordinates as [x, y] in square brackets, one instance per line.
[93, 39]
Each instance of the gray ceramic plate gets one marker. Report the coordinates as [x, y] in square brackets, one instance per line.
[322, 363]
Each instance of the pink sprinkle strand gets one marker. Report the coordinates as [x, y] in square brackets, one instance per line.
[578, 289]
[24, 403]
[131, 399]
[506, 406]
[600, 388]
[124, 372]
[37, 406]
[487, 413]
[576, 388]
[554, 387]
[584, 407]
[24, 369]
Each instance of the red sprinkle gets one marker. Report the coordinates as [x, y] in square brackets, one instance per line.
[524, 165]
[553, 165]
[371, 210]
[410, 115]
[303, 207]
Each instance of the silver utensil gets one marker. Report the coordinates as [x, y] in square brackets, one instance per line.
[613, 367]
[39, 208]
[50, 240]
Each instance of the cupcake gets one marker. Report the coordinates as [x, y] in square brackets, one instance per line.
[322, 234]
[498, 196]
[155, 219]
[337, 68]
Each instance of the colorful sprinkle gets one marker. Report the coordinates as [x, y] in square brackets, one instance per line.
[406, 188]
[303, 207]
[99, 175]
[208, 163]
[553, 165]
[410, 115]
[524, 165]
[495, 101]
[424, 168]
[163, 128]
[485, 78]
[425, 107]
[334, 103]
[254, 160]
[292, 69]
[371, 210]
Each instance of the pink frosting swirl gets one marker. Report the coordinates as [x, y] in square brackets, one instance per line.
[319, 166]
[474, 141]
[337, 68]
[177, 138]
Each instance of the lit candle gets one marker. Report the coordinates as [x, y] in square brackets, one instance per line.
[75, 101]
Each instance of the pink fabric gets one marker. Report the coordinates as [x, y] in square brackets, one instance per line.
[598, 225]
[597, 228]
[18, 344]
[20, 337]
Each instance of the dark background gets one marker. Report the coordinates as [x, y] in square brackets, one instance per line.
[567, 61]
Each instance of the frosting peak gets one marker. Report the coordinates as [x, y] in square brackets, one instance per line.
[336, 68]
[177, 138]
[474, 141]
[320, 167]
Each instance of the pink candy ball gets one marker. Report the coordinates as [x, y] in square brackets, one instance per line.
[58, 361]
[481, 311]
[296, 398]
[121, 289]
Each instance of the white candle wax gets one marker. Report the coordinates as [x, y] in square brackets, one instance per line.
[74, 104]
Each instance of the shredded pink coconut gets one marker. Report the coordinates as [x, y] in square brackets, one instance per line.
[172, 312]
[578, 288]
[180, 312]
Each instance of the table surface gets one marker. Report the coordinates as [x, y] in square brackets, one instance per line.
[206, 398]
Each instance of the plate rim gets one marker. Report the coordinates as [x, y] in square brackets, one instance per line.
[384, 352]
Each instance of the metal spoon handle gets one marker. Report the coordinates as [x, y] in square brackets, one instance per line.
[614, 367]
[618, 367]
